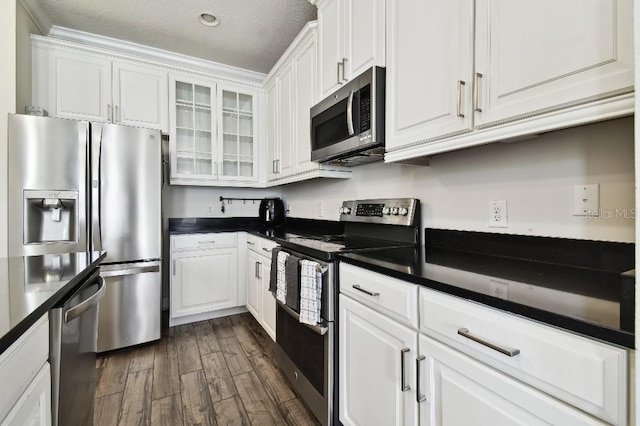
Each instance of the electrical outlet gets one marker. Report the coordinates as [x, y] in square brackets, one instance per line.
[498, 214]
[289, 209]
[320, 210]
[210, 209]
[499, 289]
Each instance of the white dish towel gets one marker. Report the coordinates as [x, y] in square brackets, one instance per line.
[310, 292]
[281, 282]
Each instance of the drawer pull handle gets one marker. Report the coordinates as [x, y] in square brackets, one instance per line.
[206, 242]
[403, 385]
[419, 397]
[365, 291]
[251, 243]
[266, 249]
[464, 332]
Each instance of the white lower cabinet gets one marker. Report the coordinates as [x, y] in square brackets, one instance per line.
[204, 275]
[34, 406]
[394, 373]
[377, 368]
[260, 302]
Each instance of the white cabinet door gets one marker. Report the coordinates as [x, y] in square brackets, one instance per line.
[80, 86]
[364, 35]
[254, 285]
[285, 164]
[305, 97]
[460, 391]
[377, 357]
[204, 281]
[535, 57]
[273, 145]
[430, 70]
[268, 301]
[34, 406]
[237, 130]
[330, 45]
[140, 96]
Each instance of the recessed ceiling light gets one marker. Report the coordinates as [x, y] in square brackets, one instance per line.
[209, 20]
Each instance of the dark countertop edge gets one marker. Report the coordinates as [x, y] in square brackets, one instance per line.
[19, 329]
[605, 334]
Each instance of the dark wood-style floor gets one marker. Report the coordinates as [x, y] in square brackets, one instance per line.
[216, 372]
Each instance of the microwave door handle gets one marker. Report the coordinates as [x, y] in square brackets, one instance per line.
[350, 113]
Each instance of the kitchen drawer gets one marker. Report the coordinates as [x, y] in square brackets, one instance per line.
[203, 241]
[583, 372]
[21, 362]
[262, 246]
[394, 298]
[254, 242]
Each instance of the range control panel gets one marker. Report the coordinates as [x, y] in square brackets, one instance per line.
[393, 211]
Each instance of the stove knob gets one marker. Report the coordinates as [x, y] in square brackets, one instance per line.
[394, 211]
[346, 210]
[386, 210]
[403, 211]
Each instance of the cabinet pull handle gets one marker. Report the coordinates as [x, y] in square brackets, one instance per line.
[259, 269]
[459, 98]
[255, 269]
[278, 165]
[476, 82]
[464, 332]
[338, 79]
[109, 116]
[266, 249]
[344, 67]
[403, 385]
[251, 243]
[419, 397]
[273, 166]
[365, 291]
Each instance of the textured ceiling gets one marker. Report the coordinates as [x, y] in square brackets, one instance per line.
[252, 33]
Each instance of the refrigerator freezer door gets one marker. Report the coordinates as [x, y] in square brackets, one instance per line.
[129, 312]
[47, 185]
[130, 179]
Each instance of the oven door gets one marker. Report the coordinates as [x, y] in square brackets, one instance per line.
[305, 355]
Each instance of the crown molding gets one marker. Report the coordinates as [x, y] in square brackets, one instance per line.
[120, 49]
[37, 15]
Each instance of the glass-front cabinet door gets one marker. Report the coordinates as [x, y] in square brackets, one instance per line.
[237, 134]
[193, 131]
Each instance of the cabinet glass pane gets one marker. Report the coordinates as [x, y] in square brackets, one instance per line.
[184, 140]
[203, 142]
[246, 169]
[184, 116]
[230, 122]
[230, 145]
[229, 100]
[245, 103]
[230, 168]
[184, 92]
[185, 166]
[203, 119]
[246, 146]
[203, 95]
[246, 125]
[204, 166]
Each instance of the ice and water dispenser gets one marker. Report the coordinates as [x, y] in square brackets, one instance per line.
[50, 217]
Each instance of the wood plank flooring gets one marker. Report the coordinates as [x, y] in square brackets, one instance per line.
[216, 372]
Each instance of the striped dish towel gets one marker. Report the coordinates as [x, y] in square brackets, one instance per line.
[310, 292]
[281, 282]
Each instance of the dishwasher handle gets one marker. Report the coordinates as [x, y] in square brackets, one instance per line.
[81, 308]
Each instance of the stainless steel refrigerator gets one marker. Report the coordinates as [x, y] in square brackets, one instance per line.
[77, 186]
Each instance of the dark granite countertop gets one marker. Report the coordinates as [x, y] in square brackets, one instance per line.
[32, 285]
[595, 300]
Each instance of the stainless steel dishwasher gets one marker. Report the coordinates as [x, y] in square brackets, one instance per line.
[73, 343]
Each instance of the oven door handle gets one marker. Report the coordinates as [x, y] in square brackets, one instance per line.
[316, 328]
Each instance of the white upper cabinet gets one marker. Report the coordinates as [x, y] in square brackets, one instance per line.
[306, 95]
[87, 87]
[273, 145]
[351, 40]
[79, 87]
[140, 96]
[428, 94]
[462, 73]
[561, 54]
[286, 118]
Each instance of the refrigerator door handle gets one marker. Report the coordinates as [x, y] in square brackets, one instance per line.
[96, 204]
[130, 271]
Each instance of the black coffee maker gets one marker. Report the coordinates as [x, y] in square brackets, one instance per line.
[271, 213]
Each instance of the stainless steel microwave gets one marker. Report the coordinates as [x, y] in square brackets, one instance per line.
[347, 128]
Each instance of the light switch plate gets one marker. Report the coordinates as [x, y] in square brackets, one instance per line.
[586, 200]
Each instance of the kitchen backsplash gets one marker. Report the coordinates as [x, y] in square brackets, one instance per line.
[536, 177]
